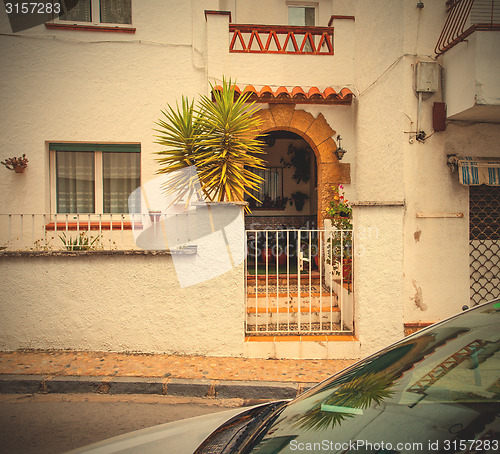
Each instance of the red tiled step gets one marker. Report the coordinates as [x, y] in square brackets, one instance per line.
[290, 310]
[303, 338]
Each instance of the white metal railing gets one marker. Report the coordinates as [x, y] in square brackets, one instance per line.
[93, 232]
[299, 281]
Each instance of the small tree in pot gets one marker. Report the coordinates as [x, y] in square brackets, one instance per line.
[217, 137]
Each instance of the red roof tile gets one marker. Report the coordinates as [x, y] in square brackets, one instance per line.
[296, 95]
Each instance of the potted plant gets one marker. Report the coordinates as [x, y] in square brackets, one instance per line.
[16, 164]
[217, 138]
[301, 161]
[339, 243]
[299, 198]
[154, 215]
[274, 249]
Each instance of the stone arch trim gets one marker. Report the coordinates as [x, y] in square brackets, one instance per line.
[318, 134]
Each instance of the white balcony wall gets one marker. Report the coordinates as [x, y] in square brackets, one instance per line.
[281, 69]
[472, 85]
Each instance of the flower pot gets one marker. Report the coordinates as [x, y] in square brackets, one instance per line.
[268, 256]
[19, 169]
[154, 215]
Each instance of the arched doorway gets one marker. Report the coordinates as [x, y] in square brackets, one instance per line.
[295, 275]
[318, 135]
[287, 196]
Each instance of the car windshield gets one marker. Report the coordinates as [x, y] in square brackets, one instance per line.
[435, 391]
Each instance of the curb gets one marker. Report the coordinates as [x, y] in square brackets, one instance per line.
[222, 389]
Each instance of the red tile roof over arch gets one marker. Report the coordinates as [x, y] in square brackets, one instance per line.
[297, 95]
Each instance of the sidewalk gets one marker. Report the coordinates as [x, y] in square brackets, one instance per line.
[194, 376]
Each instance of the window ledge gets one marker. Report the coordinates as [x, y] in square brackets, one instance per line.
[91, 28]
[183, 251]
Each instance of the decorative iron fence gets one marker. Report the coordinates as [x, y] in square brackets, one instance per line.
[465, 17]
[299, 281]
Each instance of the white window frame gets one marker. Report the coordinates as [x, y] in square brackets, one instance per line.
[98, 184]
[95, 8]
[303, 5]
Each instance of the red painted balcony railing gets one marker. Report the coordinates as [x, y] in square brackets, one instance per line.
[465, 17]
[281, 39]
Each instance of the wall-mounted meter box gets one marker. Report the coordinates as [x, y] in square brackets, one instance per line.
[426, 77]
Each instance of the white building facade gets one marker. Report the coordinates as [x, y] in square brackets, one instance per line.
[415, 99]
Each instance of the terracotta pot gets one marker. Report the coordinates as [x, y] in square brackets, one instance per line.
[267, 255]
[155, 216]
[19, 169]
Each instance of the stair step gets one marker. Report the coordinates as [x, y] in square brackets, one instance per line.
[291, 294]
[302, 337]
[306, 328]
[290, 310]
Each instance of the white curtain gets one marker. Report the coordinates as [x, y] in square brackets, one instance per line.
[75, 182]
[116, 12]
[121, 176]
[76, 10]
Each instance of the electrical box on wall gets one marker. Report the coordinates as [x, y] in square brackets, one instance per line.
[426, 77]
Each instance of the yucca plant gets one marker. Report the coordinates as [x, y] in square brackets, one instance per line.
[83, 242]
[217, 138]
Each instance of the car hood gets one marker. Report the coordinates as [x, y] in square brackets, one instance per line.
[179, 437]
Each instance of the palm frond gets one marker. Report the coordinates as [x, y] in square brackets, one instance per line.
[218, 138]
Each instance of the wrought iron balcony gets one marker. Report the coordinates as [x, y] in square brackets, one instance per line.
[464, 18]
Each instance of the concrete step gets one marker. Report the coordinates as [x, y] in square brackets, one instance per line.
[291, 302]
[298, 346]
[283, 279]
[317, 319]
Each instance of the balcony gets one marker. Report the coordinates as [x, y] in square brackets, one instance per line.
[281, 39]
[281, 55]
[469, 45]
[87, 233]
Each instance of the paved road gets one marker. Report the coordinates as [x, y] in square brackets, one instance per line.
[57, 423]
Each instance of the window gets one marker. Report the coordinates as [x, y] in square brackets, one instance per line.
[270, 192]
[94, 178]
[96, 11]
[303, 16]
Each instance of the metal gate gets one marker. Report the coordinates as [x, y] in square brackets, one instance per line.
[484, 241]
[299, 281]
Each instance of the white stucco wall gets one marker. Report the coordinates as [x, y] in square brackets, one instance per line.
[118, 303]
[61, 85]
[278, 70]
[472, 84]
